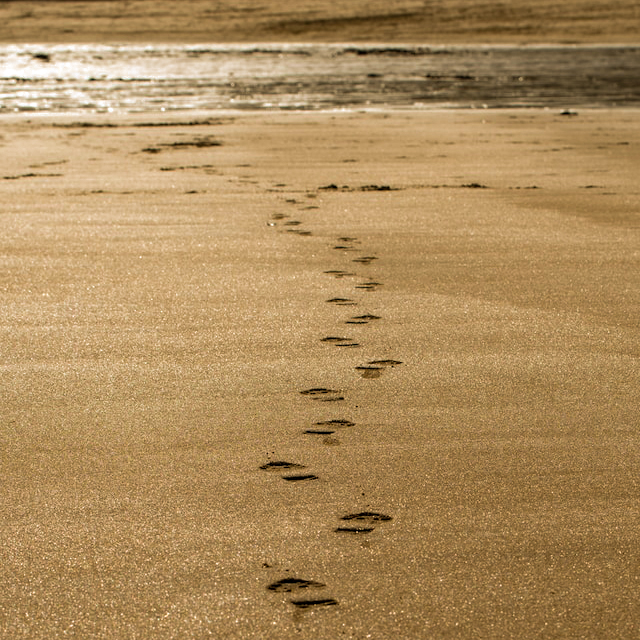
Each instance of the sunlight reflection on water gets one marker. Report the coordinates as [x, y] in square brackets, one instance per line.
[139, 78]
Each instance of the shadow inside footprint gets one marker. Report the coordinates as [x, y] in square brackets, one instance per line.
[368, 517]
[368, 286]
[343, 302]
[336, 423]
[363, 522]
[323, 395]
[289, 585]
[365, 319]
[300, 477]
[280, 465]
[365, 259]
[307, 604]
[385, 363]
[340, 342]
[317, 391]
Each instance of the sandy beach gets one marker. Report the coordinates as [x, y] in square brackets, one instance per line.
[320, 375]
[433, 314]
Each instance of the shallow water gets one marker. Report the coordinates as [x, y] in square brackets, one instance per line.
[138, 78]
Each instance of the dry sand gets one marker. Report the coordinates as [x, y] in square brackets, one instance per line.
[164, 299]
[167, 293]
[448, 21]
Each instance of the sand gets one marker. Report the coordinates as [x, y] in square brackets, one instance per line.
[313, 375]
[444, 21]
[167, 295]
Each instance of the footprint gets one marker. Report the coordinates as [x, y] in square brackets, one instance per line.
[317, 391]
[292, 223]
[300, 477]
[365, 259]
[290, 585]
[279, 216]
[322, 394]
[328, 427]
[365, 319]
[279, 465]
[374, 368]
[368, 286]
[339, 274]
[367, 516]
[340, 342]
[297, 585]
[386, 363]
[348, 239]
[343, 302]
[300, 232]
[339, 423]
[354, 529]
[363, 522]
[307, 604]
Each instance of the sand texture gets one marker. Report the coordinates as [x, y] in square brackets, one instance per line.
[448, 21]
[320, 376]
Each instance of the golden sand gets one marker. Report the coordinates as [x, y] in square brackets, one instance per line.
[456, 294]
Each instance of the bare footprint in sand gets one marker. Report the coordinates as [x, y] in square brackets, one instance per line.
[328, 427]
[342, 302]
[340, 342]
[323, 395]
[364, 319]
[375, 368]
[336, 273]
[280, 465]
[298, 585]
[308, 604]
[303, 477]
[291, 585]
[363, 522]
[368, 286]
[365, 259]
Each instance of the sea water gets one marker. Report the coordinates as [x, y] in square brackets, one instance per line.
[149, 78]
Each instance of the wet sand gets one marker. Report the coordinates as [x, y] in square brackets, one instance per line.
[320, 375]
[406, 21]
